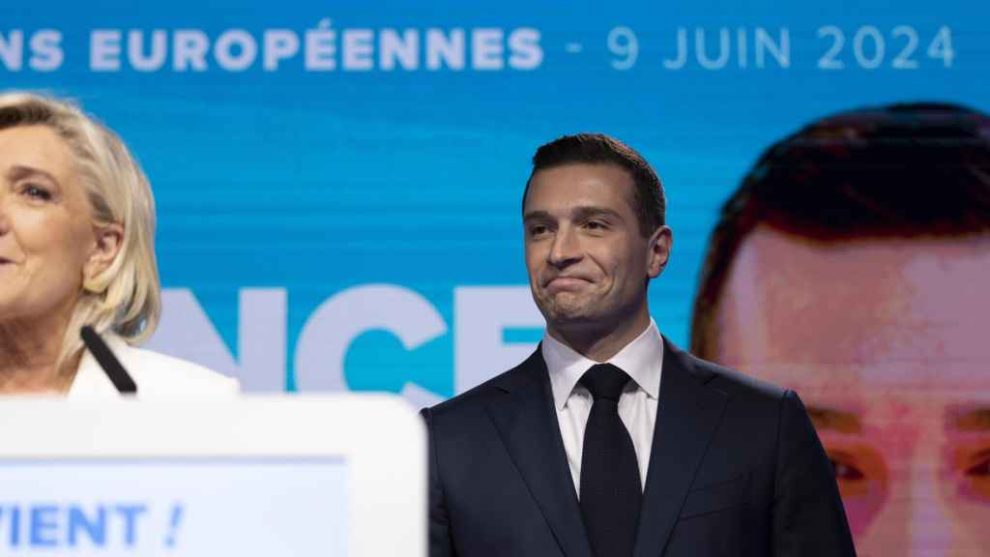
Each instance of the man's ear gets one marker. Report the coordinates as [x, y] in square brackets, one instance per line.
[108, 240]
[660, 243]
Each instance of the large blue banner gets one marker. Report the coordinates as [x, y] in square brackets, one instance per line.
[300, 151]
[339, 184]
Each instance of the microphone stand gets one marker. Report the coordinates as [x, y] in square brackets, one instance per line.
[111, 365]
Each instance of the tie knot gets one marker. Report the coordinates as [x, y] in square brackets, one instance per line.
[605, 381]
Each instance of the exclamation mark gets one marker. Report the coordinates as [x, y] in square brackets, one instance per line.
[173, 525]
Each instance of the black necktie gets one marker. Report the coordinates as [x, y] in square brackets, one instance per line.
[610, 487]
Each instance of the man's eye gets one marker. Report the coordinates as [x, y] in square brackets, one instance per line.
[982, 469]
[846, 471]
[595, 225]
[537, 230]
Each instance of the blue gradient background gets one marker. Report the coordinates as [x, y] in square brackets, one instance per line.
[315, 182]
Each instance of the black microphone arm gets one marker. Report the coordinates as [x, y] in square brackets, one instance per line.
[111, 365]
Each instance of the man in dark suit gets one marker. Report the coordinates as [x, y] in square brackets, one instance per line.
[609, 441]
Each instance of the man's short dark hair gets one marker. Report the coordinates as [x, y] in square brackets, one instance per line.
[899, 171]
[596, 148]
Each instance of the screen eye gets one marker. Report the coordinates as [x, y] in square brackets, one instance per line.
[844, 469]
[980, 469]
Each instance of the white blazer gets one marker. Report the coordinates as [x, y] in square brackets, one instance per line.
[156, 376]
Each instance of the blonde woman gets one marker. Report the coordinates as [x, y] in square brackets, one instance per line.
[77, 223]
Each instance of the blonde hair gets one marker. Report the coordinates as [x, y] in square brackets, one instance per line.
[125, 297]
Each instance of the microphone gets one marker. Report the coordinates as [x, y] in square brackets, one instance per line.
[111, 365]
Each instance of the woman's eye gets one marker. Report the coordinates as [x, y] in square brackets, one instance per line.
[36, 192]
[846, 471]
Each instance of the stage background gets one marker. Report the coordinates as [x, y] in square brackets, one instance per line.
[339, 183]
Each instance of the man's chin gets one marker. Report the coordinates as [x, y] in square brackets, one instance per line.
[563, 317]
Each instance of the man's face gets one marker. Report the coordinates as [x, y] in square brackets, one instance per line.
[886, 342]
[588, 262]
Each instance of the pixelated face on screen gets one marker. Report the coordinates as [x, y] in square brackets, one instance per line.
[46, 236]
[885, 341]
[587, 259]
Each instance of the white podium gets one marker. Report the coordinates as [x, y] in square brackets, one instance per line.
[271, 476]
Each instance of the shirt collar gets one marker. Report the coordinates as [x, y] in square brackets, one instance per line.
[642, 359]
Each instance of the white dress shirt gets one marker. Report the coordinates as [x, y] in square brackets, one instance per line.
[642, 360]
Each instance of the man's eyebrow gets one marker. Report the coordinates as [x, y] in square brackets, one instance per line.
[970, 418]
[536, 215]
[582, 212]
[19, 172]
[832, 419]
[585, 212]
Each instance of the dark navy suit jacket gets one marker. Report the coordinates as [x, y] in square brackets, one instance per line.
[735, 469]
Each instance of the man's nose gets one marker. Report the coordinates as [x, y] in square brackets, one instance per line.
[566, 248]
[4, 215]
[917, 518]
[933, 524]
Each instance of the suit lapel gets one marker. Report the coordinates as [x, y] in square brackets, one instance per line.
[527, 423]
[688, 414]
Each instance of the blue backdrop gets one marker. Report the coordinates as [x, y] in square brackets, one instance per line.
[355, 169]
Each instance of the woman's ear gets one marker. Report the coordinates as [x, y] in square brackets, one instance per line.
[108, 240]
